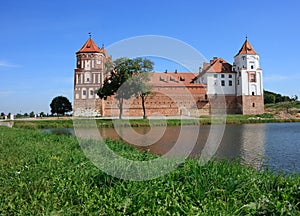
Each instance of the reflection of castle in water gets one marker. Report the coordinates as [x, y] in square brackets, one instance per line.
[253, 144]
[245, 142]
[239, 141]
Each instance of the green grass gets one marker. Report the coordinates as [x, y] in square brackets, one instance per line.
[282, 106]
[41, 124]
[203, 120]
[46, 174]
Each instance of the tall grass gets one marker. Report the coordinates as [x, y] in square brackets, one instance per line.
[46, 174]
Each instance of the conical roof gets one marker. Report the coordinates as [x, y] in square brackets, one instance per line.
[246, 49]
[89, 47]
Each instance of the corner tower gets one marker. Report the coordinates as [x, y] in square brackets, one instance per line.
[249, 83]
[88, 78]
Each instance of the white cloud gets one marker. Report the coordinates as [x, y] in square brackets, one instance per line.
[5, 93]
[7, 64]
[276, 78]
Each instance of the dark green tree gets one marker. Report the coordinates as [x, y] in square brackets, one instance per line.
[60, 105]
[2, 114]
[31, 114]
[125, 80]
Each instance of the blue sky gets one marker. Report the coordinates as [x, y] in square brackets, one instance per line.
[39, 39]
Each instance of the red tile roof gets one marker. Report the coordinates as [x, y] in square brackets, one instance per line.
[89, 47]
[246, 49]
[217, 65]
[173, 79]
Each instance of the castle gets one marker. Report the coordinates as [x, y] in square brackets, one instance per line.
[237, 88]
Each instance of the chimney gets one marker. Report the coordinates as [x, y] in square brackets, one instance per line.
[176, 71]
[166, 71]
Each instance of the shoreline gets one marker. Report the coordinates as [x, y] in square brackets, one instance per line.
[67, 122]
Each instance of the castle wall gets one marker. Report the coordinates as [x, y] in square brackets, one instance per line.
[225, 104]
[167, 101]
[252, 104]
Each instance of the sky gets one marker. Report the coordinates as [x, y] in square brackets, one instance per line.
[39, 39]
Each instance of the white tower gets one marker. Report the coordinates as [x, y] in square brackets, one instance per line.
[249, 84]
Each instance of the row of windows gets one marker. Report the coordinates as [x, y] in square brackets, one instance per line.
[223, 76]
[91, 92]
[223, 83]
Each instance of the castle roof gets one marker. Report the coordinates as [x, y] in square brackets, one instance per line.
[89, 47]
[246, 49]
[217, 65]
[173, 79]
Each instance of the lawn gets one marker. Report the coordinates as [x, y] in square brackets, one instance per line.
[46, 174]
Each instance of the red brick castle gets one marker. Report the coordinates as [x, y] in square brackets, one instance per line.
[236, 88]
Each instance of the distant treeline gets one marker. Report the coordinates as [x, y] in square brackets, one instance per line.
[271, 98]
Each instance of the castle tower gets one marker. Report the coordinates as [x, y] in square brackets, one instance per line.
[88, 78]
[249, 84]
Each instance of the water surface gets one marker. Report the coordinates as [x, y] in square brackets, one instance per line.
[275, 145]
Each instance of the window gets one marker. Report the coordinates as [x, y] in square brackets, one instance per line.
[91, 92]
[215, 75]
[222, 75]
[238, 81]
[253, 93]
[87, 79]
[222, 82]
[84, 92]
[230, 82]
[253, 104]
[252, 67]
[229, 75]
[252, 77]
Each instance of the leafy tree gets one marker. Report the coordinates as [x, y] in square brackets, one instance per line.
[143, 89]
[125, 80]
[294, 98]
[31, 114]
[60, 105]
[2, 114]
[25, 114]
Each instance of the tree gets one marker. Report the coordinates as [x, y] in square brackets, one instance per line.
[143, 89]
[125, 79]
[60, 105]
[31, 114]
[2, 114]
[294, 98]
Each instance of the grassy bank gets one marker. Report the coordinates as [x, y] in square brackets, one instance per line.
[203, 120]
[49, 174]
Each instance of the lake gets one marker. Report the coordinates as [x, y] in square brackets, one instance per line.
[273, 145]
